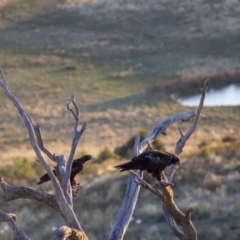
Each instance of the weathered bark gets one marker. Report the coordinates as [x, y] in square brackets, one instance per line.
[184, 220]
[174, 227]
[182, 141]
[11, 215]
[12, 193]
[65, 232]
[123, 217]
[77, 135]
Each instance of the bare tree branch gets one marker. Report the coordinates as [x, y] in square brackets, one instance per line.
[10, 219]
[182, 141]
[174, 227]
[125, 212]
[179, 217]
[77, 135]
[161, 128]
[12, 215]
[144, 184]
[65, 232]
[37, 130]
[12, 193]
[167, 196]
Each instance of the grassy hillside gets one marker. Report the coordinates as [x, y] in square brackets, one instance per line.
[110, 53]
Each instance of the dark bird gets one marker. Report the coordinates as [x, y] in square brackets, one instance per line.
[154, 162]
[77, 166]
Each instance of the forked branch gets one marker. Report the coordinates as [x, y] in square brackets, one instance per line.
[10, 219]
[178, 216]
[182, 141]
[62, 197]
[168, 200]
[131, 194]
[161, 128]
[12, 193]
[76, 137]
[144, 184]
[171, 212]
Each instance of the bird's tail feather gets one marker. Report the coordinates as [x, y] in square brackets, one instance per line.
[126, 166]
[40, 182]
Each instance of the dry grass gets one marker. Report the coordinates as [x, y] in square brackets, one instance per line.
[109, 59]
[213, 193]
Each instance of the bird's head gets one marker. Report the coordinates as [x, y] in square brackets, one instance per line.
[84, 159]
[87, 158]
[175, 159]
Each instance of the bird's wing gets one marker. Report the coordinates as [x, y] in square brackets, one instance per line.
[153, 160]
[45, 178]
[76, 168]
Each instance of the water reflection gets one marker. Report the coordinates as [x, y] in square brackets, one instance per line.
[228, 96]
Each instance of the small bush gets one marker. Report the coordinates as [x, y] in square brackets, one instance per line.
[105, 154]
[204, 153]
[22, 169]
[228, 139]
[202, 144]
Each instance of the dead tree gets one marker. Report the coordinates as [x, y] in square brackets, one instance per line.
[61, 200]
[172, 214]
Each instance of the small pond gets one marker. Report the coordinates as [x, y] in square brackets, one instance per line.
[227, 96]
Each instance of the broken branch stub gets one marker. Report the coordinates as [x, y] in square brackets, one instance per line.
[10, 219]
[65, 232]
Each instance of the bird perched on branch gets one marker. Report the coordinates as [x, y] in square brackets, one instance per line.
[154, 162]
[77, 166]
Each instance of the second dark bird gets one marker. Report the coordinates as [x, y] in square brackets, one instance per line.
[154, 162]
[77, 166]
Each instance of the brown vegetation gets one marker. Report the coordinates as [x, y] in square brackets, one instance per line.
[50, 49]
[186, 85]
